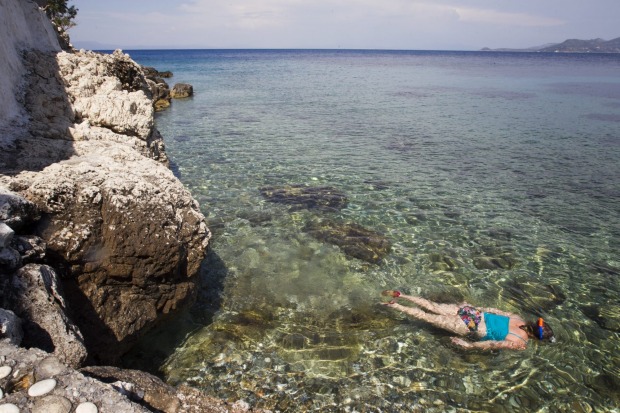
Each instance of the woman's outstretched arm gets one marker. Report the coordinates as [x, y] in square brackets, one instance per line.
[488, 345]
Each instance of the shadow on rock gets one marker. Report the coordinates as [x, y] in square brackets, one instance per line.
[173, 331]
[45, 140]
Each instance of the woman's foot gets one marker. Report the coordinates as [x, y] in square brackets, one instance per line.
[391, 293]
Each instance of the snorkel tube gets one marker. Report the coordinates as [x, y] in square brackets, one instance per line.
[540, 328]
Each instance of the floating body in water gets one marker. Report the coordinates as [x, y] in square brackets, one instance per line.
[493, 328]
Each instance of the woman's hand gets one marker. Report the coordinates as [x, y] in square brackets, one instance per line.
[460, 342]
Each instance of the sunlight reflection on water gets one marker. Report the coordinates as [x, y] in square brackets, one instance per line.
[492, 182]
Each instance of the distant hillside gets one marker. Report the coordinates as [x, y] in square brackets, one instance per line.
[572, 46]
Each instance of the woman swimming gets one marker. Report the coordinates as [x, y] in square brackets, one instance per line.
[495, 329]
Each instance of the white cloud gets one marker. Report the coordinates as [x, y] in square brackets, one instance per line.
[489, 16]
[329, 23]
[256, 14]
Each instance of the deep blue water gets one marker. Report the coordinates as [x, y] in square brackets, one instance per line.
[495, 176]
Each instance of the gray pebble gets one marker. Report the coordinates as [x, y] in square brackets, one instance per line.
[49, 367]
[52, 404]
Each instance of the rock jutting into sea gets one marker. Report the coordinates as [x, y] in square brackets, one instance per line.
[160, 90]
[100, 242]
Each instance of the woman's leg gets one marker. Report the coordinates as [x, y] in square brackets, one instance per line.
[443, 309]
[451, 323]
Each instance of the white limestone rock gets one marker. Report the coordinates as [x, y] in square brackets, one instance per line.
[41, 387]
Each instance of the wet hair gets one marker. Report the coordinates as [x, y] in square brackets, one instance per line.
[533, 330]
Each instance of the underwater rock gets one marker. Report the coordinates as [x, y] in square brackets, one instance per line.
[533, 297]
[494, 263]
[377, 185]
[606, 318]
[444, 260]
[494, 258]
[301, 196]
[256, 218]
[354, 240]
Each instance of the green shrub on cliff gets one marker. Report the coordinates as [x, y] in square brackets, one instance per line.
[60, 13]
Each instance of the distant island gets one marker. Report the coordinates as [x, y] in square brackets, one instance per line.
[571, 46]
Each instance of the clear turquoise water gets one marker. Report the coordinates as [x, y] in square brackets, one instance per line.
[458, 158]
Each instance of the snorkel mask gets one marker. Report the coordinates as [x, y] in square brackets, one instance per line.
[540, 328]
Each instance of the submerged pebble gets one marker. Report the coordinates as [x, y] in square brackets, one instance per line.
[41, 387]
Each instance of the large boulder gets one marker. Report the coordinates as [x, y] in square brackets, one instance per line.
[129, 238]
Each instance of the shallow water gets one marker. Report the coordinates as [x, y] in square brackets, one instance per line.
[494, 176]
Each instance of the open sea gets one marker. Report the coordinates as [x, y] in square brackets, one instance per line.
[493, 177]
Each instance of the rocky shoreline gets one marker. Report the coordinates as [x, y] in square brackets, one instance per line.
[99, 242]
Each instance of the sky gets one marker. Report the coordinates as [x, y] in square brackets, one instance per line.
[346, 24]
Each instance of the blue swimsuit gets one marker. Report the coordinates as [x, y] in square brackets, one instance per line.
[497, 326]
